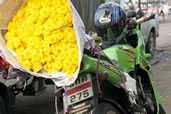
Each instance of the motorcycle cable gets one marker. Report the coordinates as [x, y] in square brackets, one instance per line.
[116, 66]
[97, 50]
[93, 51]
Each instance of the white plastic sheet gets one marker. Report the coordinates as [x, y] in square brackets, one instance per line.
[59, 78]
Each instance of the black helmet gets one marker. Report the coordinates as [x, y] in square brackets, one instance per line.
[110, 22]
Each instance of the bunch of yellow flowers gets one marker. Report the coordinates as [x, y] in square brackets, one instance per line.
[42, 36]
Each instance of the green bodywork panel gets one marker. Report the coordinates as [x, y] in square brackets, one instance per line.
[143, 62]
[90, 65]
[124, 56]
[125, 59]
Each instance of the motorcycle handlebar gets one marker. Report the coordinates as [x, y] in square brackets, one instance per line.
[132, 23]
[145, 18]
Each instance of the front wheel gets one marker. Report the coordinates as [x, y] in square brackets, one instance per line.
[162, 111]
[151, 43]
[2, 106]
[106, 108]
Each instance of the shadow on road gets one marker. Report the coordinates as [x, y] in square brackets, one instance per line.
[160, 56]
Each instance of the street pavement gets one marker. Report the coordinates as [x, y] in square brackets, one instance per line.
[44, 103]
[162, 68]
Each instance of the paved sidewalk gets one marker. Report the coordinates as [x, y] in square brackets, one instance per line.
[162, 68]
[162, 80]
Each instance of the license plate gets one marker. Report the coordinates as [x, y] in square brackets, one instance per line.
[80, 90]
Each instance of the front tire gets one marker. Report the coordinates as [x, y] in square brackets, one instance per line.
[151, 43]
[106, 108]
[2, 106]
[162, 111]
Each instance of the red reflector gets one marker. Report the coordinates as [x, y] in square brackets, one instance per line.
[4, 63]
[78, 88]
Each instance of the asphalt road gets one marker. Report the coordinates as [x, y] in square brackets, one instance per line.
[162, 68]
[44, 104]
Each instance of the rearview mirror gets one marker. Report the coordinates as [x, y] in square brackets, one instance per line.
[140, 14]
[131, 14]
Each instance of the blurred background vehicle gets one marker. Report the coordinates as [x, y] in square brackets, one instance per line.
[149, 29]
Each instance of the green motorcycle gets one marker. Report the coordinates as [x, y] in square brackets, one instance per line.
[115, 76]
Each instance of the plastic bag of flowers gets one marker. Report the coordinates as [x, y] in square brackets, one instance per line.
[46, 39]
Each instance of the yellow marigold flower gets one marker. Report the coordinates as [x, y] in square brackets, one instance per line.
[65, 64]
[50, 39]
[62, 2]
[68, 18]
[55, 50]
[20, 13]
[26, 54]
[45, 2]
[47, 41]
[11, 25]
[57, 66]
[60, 22]
[48, 67]
[59, 36]
[36, 66]
[19, 50]
[48, 59]
[74, 51]
[10, 44]
[20, 58]
[63, 10]
[35, 55]
[45, 67]
[71, 37]
[38, 30]
[47, 51]
[70, 70]
[69, 73]
[27, 64]
[74, 60]
[16, 42]
[9, 35]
